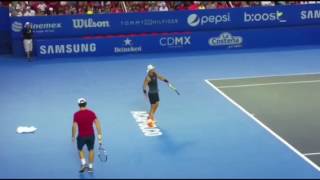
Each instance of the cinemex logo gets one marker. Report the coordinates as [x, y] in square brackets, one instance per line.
[68, 48]
[128, 47]
[225, 39]
[258, 17]
[18, 26]
[175, 42]
[196, 20]
[89, 23]
[141, 119]
[310, 14]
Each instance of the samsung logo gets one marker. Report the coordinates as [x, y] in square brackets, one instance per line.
[310, 14]
[89, 23]
[68, 48]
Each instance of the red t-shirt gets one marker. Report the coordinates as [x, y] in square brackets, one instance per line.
[193, 7]
[85, 119]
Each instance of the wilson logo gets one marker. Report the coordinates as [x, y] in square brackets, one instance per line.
[89, 23]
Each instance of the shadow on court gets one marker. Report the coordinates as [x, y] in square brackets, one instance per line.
[170, 146]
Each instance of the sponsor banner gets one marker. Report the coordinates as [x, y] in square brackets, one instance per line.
[4, 20]
[214, 40]
[175, 21]
[5, 42]
[5, 45]
[112, 46]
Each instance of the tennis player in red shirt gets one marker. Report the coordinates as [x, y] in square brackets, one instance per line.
[83, 121]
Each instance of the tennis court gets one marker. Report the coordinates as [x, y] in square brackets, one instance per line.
[200, 133]
[286, 106]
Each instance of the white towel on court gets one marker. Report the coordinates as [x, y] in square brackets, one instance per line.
[26, 129]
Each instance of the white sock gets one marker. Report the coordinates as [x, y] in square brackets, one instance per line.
[90, 165]
[83, 161]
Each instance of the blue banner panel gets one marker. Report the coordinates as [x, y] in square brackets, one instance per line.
[175, 21]
[4, 20]
[214, 40]
[5, 40]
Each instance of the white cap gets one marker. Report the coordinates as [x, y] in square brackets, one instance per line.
[150, 67]
[82, 100]
[50, 9]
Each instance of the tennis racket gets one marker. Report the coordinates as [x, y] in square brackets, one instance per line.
[102, 153]
[173, 88]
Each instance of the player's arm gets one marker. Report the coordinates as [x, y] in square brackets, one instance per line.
[162, 78]
[98, 126]
[74, 130]
[145, 84]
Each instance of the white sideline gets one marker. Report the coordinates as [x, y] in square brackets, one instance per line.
[273, 75]
[312, 154]
[268, 84]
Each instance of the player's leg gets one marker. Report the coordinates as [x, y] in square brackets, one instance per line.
[152, 102]
[26, 47]
[82, 157]
[155, 108]
[80, 144]
[155, 105]
[150, 112]
[30, 44]
[150, 119]
[90, 145]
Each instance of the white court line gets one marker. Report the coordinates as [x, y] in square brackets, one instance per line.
[272, 75]
[268, 84]
[312, 154]
[265, 127]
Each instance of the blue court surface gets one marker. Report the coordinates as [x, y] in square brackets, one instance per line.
[203, 134]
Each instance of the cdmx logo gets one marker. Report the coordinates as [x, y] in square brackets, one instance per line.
[173, 41]
[196, 20]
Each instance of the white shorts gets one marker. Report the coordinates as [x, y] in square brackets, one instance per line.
[27, 43]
